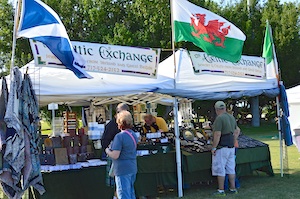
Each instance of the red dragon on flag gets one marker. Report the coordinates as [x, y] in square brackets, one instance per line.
[215, 33]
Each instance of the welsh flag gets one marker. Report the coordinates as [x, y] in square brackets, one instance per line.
[210, 32]
[269, 53]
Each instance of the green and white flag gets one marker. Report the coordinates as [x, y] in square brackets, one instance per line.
[207, 30]
[269, 53]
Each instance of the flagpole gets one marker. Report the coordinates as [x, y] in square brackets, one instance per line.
[16, 22]
[277, 102]
[175, 115]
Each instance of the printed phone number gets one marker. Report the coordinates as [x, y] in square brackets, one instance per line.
[235, 73]
[103, 69]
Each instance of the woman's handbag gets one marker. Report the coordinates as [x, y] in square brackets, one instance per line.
[111, 171]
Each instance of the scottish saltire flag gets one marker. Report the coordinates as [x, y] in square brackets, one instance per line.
[39, 22]
[207, 30]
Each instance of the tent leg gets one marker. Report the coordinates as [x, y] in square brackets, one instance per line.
[177, 145]
[279, 136]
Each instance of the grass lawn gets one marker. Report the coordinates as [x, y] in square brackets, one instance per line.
[259, 185]
[46, 128]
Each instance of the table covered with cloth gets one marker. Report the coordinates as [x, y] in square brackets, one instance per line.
[153, 171]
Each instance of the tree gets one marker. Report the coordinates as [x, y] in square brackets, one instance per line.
[284, 22]
[22, 51]
[6, 24]
[147, 23]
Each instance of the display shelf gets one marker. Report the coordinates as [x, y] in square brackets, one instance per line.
[58, 126]
[70, 123]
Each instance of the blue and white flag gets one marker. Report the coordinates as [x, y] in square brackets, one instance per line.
[39, 22]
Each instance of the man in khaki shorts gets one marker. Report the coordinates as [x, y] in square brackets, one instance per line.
[225, 134]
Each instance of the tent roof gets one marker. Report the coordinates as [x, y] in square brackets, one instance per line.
[293, 97]
[206, 86]
[293, 94]
[62, 86]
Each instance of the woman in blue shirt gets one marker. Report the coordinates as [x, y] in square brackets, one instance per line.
[123, 154]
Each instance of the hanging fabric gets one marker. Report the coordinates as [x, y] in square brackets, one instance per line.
[3, 105]
[21, 164]
[29, 114]
[14, 156]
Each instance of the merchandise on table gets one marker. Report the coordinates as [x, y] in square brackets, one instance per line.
[65, 150]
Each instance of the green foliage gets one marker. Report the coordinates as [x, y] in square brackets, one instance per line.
[46, 115]
[23, 54]
[204, 109]
[6, 24]
[284, 19]
[147, 23]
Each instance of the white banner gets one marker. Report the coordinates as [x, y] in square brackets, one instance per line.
[248, 66]
[104, 58]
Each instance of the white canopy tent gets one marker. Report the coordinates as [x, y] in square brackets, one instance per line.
[213, 87]
[62, 86]
[219, 87]
[293, 97]
[56, 85]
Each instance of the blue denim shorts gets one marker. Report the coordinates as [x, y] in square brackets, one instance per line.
[125, 186]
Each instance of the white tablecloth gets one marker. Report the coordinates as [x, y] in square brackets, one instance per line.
[78, 165]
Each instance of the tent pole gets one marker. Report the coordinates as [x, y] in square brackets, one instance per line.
[53, 121]
[277, 100]
[175, 110]
[278, 104]
[110, 112]
[177, 145]
[279, 136]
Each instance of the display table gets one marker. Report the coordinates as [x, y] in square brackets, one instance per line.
[160, 169]
[197, 167]
[82, 183]
[153, 170]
